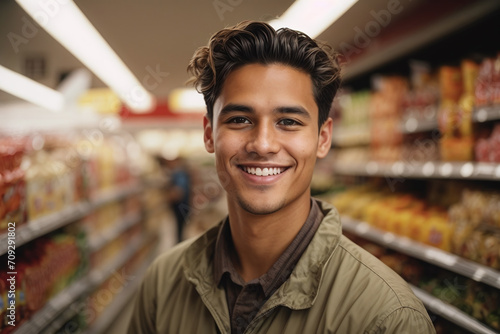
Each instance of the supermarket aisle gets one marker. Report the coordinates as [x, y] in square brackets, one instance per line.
[167, 238]
[167, 231]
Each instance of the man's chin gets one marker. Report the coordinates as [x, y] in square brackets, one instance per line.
[260, 209]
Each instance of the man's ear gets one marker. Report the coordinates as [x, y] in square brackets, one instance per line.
[208, 135]
[325, 138]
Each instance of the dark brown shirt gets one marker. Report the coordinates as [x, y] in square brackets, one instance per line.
[245, 299]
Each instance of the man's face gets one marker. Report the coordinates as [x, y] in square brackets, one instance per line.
[265, 137]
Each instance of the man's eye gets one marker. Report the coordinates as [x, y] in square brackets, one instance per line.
[239, 120]
[288, 122]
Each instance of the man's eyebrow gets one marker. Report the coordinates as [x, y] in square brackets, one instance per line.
[235, 107]
[297, 110]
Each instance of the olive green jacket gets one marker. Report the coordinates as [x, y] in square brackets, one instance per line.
[336, 287]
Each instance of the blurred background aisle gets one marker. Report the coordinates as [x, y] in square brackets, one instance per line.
[94, 118]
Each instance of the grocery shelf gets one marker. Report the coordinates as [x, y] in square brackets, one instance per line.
[446, 260]
[484, 114]
[430, 169]
[481, 114]
[451, 313]
[116, 193]
[415, 125]
[66, 298]
[351, 136]
[113, 310]
[54, 307]
[420, 38]
[64, 317]
[43, 225]
[98, 276]
[112, 233]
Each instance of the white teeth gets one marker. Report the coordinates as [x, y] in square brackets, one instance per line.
[263, 171]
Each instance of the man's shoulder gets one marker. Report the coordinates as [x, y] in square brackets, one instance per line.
[383, 280]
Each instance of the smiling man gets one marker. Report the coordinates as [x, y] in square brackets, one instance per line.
[279, 262]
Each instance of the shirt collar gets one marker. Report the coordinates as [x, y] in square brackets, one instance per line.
[282, 267]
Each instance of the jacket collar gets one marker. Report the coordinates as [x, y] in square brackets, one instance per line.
[298, 292]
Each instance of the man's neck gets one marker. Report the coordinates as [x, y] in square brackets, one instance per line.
[259, 240]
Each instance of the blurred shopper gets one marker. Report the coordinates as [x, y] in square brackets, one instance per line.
[178, 191]
[279, 262]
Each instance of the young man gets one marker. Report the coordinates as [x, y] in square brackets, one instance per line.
[278, 263]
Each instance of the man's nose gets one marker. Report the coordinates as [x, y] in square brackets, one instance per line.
[263, 139]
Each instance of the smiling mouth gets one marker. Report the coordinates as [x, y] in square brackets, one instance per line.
[266, 171]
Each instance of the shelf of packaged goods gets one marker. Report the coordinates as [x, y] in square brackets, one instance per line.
[480, 115]
[420, 37]
[414, 125]
[451, 313]
[488, 113]
[113, 310]
[429, 169]
[66, 298]
[98, 276]
[43, 225]
[452, 262]
[115, 194]
[54, 307]
[351, 136]
[116, 230]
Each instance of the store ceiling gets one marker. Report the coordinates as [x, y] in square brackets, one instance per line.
[161, 35]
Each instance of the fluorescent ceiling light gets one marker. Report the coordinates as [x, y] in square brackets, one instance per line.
[312, 17]
[186, 100]
[30, 90]
[69, 26]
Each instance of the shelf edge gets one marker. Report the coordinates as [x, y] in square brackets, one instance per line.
[451, 313]
[445, 260]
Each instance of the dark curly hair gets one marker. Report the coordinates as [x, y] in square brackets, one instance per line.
[257, 42]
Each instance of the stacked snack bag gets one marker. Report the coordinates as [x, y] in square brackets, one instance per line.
[455, 111]
[487, 91]
[487, 149]
[422, 98]
[400, 213]
[12, 183]
[477, 227]
[353, 108]
[487, 94]
[386, 107]
[50, 184]
[420, 107]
